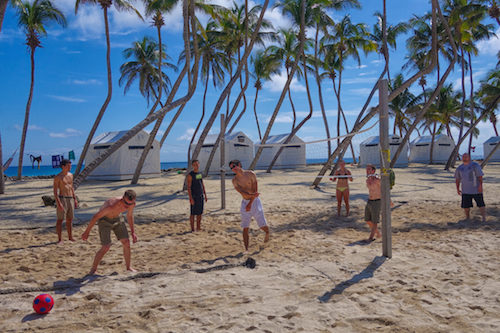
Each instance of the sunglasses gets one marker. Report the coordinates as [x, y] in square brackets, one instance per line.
[233, 166]
[127, 203]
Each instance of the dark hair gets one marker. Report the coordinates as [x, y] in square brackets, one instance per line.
[130, 194]
[371, 166]
[65, 161]
[235, 162]
[194, 161]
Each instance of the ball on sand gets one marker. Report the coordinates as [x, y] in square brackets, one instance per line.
[42, 304]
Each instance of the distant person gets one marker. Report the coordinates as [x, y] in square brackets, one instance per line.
[470, 175]
[372, 209]
[196, 192]
[245, 182]
[66, 201]
[109, 219]
[342, 186]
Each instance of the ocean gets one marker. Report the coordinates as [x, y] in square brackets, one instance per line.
[47, 170]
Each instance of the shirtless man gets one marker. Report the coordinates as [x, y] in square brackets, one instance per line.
[109, 219]
[245, 182]
[65, 199]
[342, 187]
[372, 209]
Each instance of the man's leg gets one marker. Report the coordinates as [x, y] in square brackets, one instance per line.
[69, 228]
[98, 257]
[191, 221]
[266, 230]
[245, 238]
[126, 254]
[483, 212]
[59, 230]
[198, 222]
[467, 213]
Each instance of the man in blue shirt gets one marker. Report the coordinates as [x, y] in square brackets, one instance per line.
[470, 175]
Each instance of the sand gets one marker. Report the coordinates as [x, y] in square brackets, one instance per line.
[315, 274]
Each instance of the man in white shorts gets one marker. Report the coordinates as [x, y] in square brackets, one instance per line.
[245, 182]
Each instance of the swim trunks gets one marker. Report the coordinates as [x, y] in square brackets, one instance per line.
[467, 200]
[68, 204]
[106, 225]
[197, 208]
[372, 211]
[256, 211]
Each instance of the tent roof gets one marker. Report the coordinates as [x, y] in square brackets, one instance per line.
[493, 139]
[280, 138]
[373, 140]
[110, 137]
[211, 138]
[428, 138]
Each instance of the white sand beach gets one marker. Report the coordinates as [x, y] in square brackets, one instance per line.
[315, 274]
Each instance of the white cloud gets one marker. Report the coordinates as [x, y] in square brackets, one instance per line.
[67, 133]
[187, 135]
[278, 81]
[490, 46]
[30, 128]
[67, 99]
[86, 82]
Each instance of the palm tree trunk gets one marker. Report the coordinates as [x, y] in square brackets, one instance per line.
[106, 101]
[3, 8]
[2, 183]
[147, 147]
[431, 153]
[26, 115]
[471, 99]
[255, 112]
[285, 88]
[226, 91]
[320, 93]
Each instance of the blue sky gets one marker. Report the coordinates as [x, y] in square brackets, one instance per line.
[70, 81]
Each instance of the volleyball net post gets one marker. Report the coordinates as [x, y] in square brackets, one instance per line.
[222, 162]
[385, 161]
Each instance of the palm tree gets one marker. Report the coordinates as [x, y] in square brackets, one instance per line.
[400, 104]
[489, 94]
[32, 18]
[264, 66]
[146, 55]
[105, 5]
[3, 8]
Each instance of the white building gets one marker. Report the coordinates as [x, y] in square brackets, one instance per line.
[420, 149]
[237, 146]
[369, 151]
[122, 163]
[292, 156]
[489, 145]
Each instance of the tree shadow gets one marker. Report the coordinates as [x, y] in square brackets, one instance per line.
[366, 273]
[72, 285]
[8, 250]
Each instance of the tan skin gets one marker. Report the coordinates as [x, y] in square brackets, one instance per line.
[466, 160]
[342, 182]
[245, 182]
[196, 168]
[112, 208]
[374, 193]
[63, 185]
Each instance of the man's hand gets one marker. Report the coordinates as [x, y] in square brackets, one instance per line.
[206, 199]
[248, 206]
[191, 201]
[459, 192]
[76, 203]
[134, 238]
[480, 188]
[256, 194]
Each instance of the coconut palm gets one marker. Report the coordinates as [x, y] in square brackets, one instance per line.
[32, 18]
[400, 104]
[105, 5]
[489, 94]
[143, 67]
[3, 8]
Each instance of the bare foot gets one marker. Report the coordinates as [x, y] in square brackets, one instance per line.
[92, 271]
[347, 214]
[130, 269]
[71, 239]
[60, 242]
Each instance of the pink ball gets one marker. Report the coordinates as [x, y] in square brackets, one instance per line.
[43, 303]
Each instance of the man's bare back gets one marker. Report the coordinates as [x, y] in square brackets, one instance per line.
[112, 208]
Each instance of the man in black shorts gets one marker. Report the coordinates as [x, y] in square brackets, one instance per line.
[196, 191]
[470, 175]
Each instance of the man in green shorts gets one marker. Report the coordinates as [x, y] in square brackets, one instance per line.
[109, 217]
[372, 209]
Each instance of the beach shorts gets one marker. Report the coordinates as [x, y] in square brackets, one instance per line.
[467, 200]
[256, 211]
[197, 208]
[372, 211]
[68, 211]
[106, 225]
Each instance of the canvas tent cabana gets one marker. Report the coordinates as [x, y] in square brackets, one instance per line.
[237, 146]
[369, 151]
[489, 145]
[122, 163]
[420, 149]
[293, 156]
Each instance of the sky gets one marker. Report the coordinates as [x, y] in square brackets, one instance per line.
[70, 82]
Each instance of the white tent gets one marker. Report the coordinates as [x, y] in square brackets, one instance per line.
[291, 157]
[122, 163]
[369, 151]
[237, 146]
[489, 145]
[420, 149]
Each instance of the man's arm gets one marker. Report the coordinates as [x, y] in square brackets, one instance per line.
[457, 182]
[480, 187]
[130, 219]
[56, 193]
[73, 192]
[189, 182]
[204, 193]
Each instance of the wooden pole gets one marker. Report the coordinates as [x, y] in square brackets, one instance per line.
[222, 162]
[385, 161]
[2, 184]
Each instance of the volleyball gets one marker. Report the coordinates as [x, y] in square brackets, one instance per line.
[42, 304]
